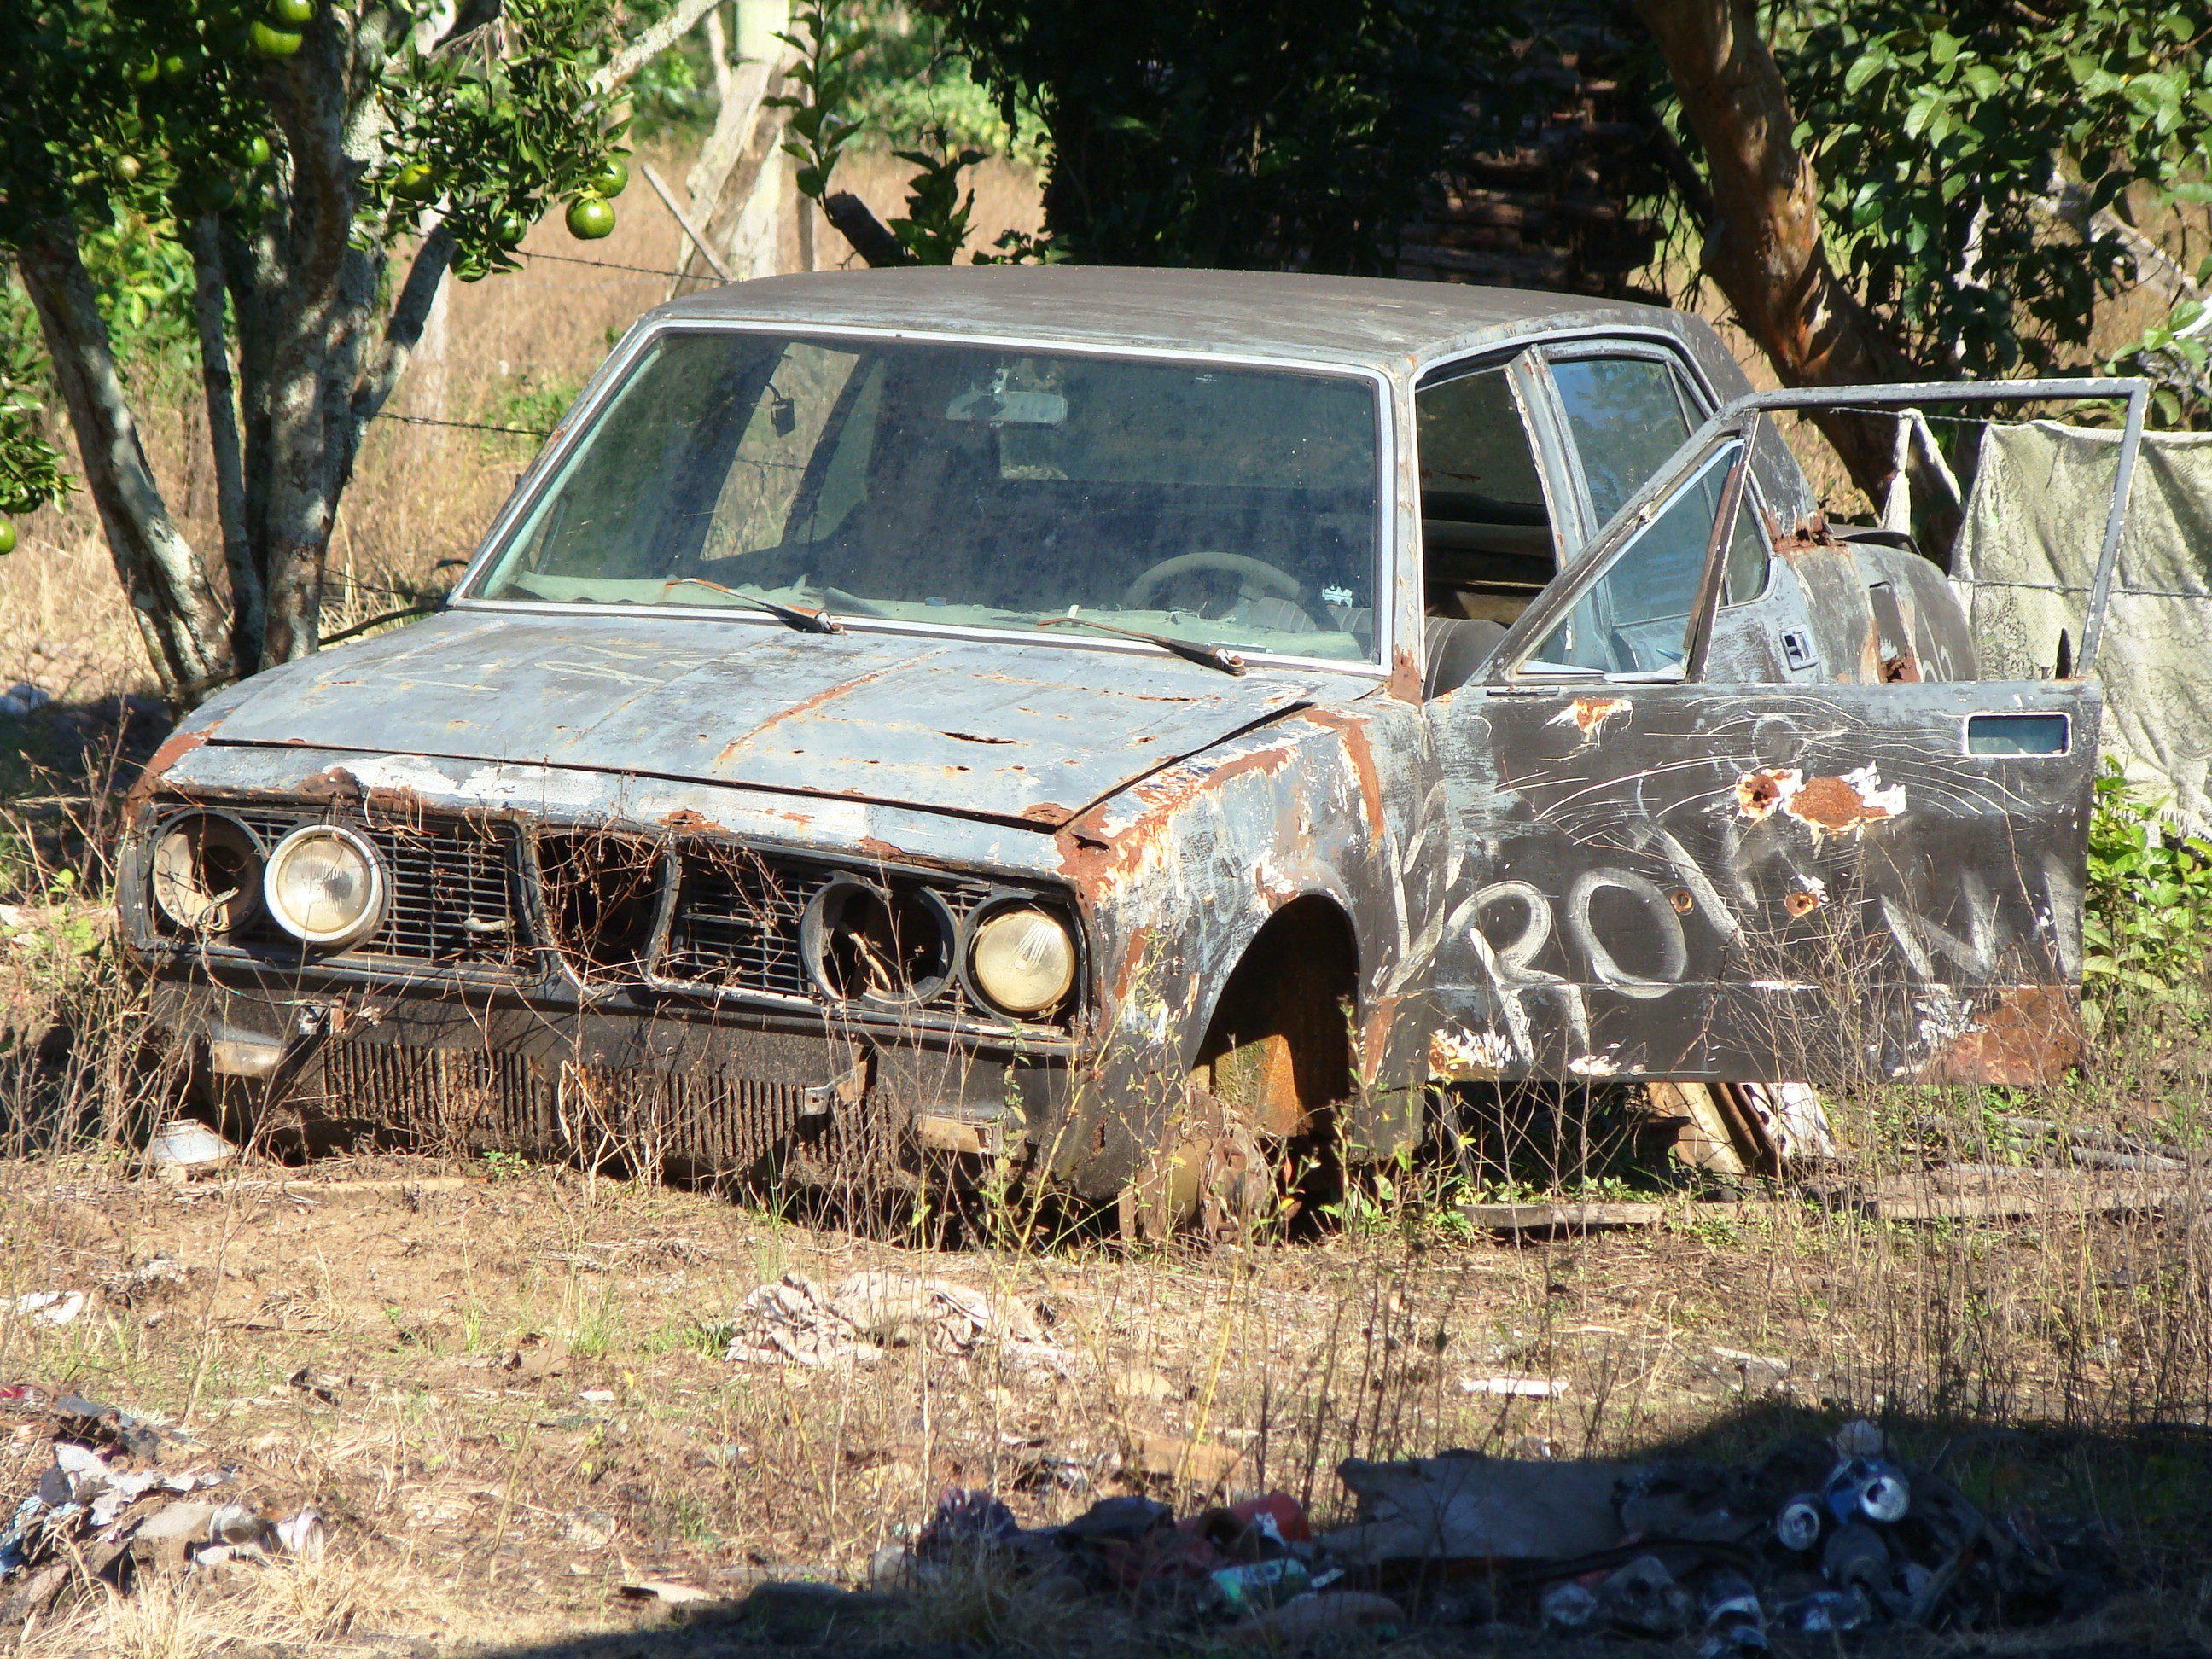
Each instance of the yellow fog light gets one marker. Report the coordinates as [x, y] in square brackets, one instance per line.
[1023, 959]
[324, 886]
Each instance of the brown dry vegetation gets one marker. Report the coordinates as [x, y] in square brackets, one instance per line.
[532, 1407]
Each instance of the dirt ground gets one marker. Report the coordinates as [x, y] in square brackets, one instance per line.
[505, 1389]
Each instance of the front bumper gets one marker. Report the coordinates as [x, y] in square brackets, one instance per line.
[691, 1092]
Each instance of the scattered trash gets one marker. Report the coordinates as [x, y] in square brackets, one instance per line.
[50, 1306]
[1519, 1388]
[320, 1384]
[1460, 1506]
[1816, 1539]
[663, 1590]
[182, 1150]
[793, 1320]
[120, 1494]
[22, 699]
[152, 1279]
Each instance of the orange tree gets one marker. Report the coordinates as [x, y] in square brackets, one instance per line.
[284, 152]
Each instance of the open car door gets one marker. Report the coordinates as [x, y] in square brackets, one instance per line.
[1671, 877]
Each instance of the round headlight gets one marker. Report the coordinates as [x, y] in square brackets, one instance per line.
[324, 886]
[1023, 960]
[207, 873]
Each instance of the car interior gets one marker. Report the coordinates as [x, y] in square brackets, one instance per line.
[1486, 546]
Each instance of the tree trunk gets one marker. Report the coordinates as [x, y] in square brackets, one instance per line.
[245, 595]
[1763, 247]
[175, 606]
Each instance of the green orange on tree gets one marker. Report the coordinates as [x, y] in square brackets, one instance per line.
[7, 536]
[254, 152]
[590, 218]
[610, 178]
[270, 42]
[415, 182]
[292, 13]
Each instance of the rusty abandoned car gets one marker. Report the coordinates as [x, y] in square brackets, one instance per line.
[1122, 722]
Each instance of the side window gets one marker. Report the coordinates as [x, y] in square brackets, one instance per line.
[1487, 544]
[1635, 618]
[1744, 578]
[1628, 416]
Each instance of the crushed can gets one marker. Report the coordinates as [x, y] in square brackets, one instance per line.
[1862, 1489]
[1735, 1621]
[1857, 1557]
[1258, 1585]
[1798, 1523]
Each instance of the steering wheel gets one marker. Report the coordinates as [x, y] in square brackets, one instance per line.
[1137, 596]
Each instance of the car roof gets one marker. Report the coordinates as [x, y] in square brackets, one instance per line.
[1368, 322]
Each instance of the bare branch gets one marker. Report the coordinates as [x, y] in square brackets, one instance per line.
[651, 44]
[245, 595]
[857, 223]
[683, 221]
[402, 334]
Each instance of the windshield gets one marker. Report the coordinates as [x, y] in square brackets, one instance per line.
[979, 486]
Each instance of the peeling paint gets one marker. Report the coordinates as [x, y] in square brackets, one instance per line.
[1589, 715]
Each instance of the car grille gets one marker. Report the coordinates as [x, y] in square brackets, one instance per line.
[709, 1119]
[457, 900]
[737, 920]
[455, 891]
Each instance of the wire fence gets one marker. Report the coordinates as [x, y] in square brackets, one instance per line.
[542, 432]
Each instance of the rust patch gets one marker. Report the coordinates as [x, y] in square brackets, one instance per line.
[1352, 728]
[1682, 899]
[1405, 681]
[683, 818]
[1844, 805]
[1758, 793]
[1588, 714]
[974, 737]
[1901, 670]
[1044, 812]
[2029, 1036]
[1832, 805]
[1092, 860]
[175, 748]
[1801, 903]
[805, 705]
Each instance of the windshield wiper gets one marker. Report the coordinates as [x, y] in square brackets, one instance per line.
[799, 617]
[1213, 656]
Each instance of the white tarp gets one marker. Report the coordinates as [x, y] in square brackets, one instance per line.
[2024, 563]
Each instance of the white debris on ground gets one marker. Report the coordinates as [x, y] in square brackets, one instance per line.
[794, 1320]
[121, 1496]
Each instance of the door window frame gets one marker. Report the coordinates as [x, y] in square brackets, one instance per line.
[1510, 668]
[1698, 399]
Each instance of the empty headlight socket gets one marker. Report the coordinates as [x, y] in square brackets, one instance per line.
[885, 943]
[245, 900]
[603, 943]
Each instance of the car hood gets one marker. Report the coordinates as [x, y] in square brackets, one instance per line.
[1025, 730]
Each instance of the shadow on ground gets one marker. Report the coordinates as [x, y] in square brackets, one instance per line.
[2123, 1510]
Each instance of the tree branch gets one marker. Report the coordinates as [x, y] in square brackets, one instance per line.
[1763, 247]
[402, 334]
[245, 595]
[171, 599]
[651, 44]
[870, 237]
